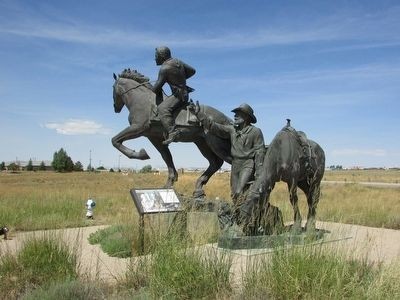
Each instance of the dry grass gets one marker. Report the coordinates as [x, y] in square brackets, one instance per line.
[391, 176]
[37, 200]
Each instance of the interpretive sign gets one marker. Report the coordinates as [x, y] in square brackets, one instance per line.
[156, 200]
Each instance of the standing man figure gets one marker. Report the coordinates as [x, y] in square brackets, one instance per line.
[247, 145]
[174, 72]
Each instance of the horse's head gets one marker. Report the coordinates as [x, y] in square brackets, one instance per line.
[117, 96]
[122, 87]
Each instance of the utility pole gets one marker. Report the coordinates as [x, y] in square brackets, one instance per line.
[90, 160]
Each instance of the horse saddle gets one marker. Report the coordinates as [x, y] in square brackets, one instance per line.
[306, 155]
[182, 116]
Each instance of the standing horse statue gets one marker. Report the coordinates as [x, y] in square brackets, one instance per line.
[133, 90]
[299, 162]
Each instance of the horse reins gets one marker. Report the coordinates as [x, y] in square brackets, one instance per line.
[133, 88]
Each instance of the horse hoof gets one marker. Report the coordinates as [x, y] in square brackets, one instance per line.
[143, 154]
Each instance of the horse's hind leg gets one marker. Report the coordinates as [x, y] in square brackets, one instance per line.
[214, 164]
[167, 157]
[312, 192]
[295, 204]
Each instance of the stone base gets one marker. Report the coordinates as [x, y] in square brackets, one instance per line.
[268, 241]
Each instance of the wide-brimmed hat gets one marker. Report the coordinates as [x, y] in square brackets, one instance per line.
[245, 108]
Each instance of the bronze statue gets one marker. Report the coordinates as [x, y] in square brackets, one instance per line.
[285, 161]
[247, 145]
[133, 90]
[174, 72]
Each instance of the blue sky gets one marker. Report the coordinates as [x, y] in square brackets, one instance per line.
[333, 67]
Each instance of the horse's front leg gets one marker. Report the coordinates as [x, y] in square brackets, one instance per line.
[167, 157]
[129, 133]
[214, 164]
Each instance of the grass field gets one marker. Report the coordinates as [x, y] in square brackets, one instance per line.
[42, 200]
[39, 200]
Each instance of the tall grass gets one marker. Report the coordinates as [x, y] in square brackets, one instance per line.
[177, 270]
[314, 273]
[40, 261]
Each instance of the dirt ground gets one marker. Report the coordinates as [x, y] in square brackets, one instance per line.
[373, 244]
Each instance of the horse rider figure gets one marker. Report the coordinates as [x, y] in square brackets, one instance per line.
[174, 72]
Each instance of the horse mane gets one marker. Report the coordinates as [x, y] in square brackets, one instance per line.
[134, 75]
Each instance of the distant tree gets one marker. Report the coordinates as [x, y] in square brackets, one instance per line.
[62, 162]
[89, 168]
[13, 167]
[2, 166]
[69, 165]
[100, 168]
[146, 169]
[78, 167]
[29, 167]
[112, 170]
[42, 166]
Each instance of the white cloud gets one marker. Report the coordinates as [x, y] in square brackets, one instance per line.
[78, 127]
[358, 152]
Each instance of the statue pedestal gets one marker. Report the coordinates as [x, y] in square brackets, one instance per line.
[229, 241]
[202, 227]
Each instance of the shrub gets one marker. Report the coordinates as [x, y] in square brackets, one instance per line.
[67, 290]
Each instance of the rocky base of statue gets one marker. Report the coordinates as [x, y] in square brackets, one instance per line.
[231, 220]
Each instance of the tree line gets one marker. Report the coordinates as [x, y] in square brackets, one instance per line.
[62, 162]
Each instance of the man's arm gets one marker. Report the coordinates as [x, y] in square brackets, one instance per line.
[157, 87]
[220, 130]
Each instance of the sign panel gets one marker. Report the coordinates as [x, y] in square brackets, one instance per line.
[149, 201]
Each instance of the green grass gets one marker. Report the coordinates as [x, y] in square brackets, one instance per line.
[116, 240]
[314, 273]
[177, 270]
[40, 261]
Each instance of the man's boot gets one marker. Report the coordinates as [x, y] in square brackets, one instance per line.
[172, 137]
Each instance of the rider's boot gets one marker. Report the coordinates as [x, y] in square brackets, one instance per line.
[172, 137]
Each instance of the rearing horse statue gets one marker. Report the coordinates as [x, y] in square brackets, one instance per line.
[132, 89]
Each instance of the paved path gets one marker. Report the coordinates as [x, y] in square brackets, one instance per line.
[373, 244]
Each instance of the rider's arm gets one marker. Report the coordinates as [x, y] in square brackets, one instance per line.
[161, 80]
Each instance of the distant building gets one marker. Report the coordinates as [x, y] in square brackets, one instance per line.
[23, 164]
